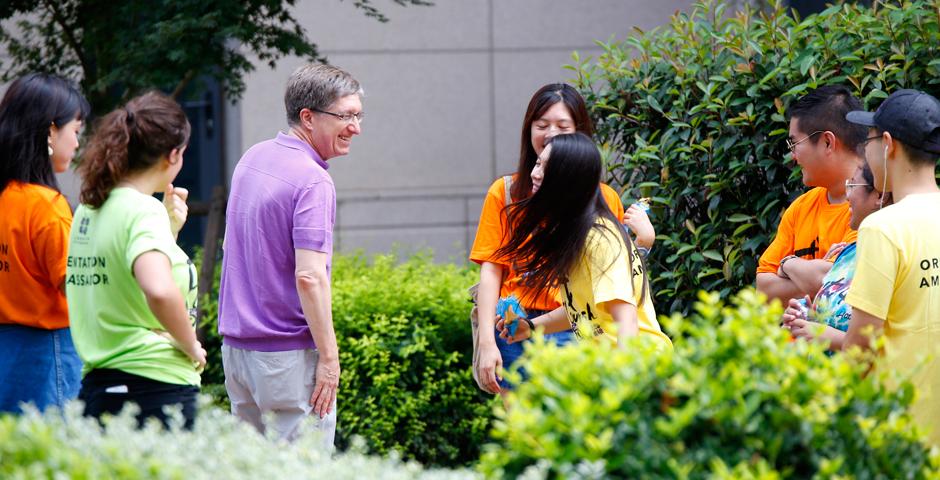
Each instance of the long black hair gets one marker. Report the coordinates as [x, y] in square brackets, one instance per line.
[542, 100]
[30, 106]
[550, 228]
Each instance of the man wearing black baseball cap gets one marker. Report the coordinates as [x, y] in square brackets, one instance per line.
[896, 289]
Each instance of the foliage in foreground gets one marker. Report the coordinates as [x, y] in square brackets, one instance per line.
[736, 399]
[69, 446]
[405, 348]
[697, 110]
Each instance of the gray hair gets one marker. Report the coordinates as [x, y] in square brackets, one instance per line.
[317, 86]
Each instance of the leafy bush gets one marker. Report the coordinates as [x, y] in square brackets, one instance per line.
[405, 348]
[52, 446]
[696, 108]
[735, 399]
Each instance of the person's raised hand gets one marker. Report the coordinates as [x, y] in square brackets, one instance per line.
[174, 200]
[639, 223]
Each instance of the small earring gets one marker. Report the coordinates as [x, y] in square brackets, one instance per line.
[50, 149]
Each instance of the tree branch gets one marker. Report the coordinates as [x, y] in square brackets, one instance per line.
[182, 84]
[68, 34]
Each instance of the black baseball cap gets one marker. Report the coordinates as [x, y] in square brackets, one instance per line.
[911, 116]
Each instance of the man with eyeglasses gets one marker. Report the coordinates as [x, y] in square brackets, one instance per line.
[827, 149]
[896, 290]
[279, 347]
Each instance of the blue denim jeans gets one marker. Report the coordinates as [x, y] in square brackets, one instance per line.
[37, 366]
[512, 352]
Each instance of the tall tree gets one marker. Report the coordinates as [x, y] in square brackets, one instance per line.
[116, 49]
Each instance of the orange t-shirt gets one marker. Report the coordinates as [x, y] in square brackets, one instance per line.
[489, 238]
[34, 240]
[810, 225]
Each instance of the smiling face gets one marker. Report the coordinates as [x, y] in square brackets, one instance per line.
[809, 154]
[64, 142]
[862, 200]
[556, 120]
[538, 173]
[331, 136]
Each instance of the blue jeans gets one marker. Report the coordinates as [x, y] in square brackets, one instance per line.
[512, 352]
[37, 366]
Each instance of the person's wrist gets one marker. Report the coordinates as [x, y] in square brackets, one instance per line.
[783, 262]
[645, 241]
[531, 325]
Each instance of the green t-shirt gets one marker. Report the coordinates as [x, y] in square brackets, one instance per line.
[112, 325]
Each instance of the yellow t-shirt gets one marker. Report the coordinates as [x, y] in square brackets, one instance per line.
[492, 232]
[603, 274]
[897, 278]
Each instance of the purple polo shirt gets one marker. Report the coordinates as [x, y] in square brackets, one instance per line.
[282, 198]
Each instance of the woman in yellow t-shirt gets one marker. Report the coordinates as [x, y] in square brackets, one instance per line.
[40, 119]
[554, 109]
[571, 240]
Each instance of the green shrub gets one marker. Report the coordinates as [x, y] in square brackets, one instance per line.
[735, 399]
[405, 348]
[696, 108]
[34, 446]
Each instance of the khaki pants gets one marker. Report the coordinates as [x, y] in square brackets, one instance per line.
[277, 382]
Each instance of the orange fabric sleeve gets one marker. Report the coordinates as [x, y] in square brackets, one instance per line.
[492, 225]
[51, 242]
[613, 201]
[782, 245]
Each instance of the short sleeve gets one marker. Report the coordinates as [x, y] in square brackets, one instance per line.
[490, 230]
[611, 277]
[613, 201]
[876, 270]
[781, 246]
[51, 241]
[148, 230]
[314, 215]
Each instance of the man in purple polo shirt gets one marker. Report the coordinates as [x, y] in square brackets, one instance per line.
[279, 349]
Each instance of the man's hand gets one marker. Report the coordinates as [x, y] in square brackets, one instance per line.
[324, 392]
[834, 250]
[174, 200]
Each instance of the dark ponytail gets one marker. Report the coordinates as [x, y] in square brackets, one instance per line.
[130, 139]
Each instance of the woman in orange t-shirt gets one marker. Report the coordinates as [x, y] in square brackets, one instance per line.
[40, 118]
[554, 109]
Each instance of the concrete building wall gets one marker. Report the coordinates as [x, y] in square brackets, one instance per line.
[446, 88]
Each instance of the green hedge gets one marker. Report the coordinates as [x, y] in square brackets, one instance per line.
[405, 347]
[736, 399]
[692, 114]
[56, 446]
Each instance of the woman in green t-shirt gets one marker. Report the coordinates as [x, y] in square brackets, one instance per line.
[131, 290]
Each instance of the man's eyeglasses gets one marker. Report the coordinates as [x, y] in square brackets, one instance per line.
[876, 137]
[791, 144]
[849, 185]
[346, 117]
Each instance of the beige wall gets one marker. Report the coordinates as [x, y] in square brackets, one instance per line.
[446, 88]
